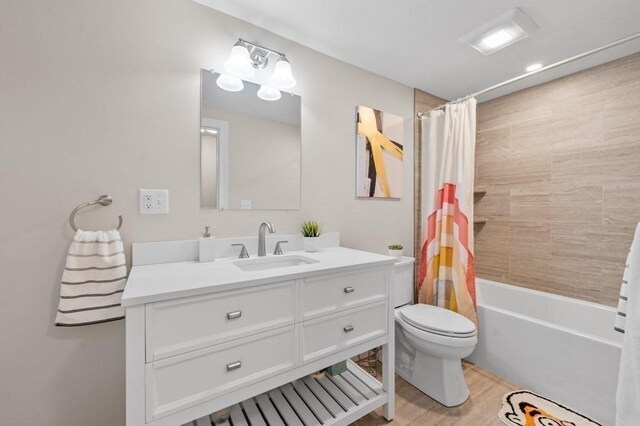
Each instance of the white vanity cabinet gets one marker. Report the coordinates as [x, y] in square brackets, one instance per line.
[200, 348]
[185, 324]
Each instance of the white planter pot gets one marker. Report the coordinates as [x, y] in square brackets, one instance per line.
[395, 253]
[311, 244]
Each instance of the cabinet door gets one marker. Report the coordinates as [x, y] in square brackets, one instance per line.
[323, 336]
[326, 294]
[180, 382]
[178, 326]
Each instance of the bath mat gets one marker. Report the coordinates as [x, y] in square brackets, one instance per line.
[525, 408]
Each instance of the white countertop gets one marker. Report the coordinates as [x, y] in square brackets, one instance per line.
[153, 283]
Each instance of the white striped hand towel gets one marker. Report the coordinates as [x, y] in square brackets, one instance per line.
[632, 257]
[93, 279]
[621, 316]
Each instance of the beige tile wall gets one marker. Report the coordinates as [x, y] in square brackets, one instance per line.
[561, 166]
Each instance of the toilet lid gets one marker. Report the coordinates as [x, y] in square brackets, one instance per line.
[438, 320]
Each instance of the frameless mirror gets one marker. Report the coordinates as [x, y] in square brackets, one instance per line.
[250, 148]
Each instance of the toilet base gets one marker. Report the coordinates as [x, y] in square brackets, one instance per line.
[440, 378]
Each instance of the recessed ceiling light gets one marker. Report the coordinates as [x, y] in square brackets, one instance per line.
[534, 67]
[496, 39]
[500, 32]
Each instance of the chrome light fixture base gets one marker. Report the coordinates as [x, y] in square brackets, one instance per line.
[259, 58]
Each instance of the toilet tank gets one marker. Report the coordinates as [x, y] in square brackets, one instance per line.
[403, 281]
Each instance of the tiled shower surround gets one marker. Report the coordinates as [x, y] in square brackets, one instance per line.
[561, 166]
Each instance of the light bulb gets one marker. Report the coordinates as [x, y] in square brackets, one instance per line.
[282, 76]
[239, 62]
[229, 83]
[268, 93]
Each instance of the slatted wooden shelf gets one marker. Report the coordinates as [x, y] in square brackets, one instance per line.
[311, 401]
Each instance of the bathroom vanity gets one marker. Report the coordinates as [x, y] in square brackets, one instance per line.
[251, 333]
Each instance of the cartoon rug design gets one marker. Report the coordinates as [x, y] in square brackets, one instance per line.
[525, 408]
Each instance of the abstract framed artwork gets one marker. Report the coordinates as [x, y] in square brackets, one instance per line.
[379, 153]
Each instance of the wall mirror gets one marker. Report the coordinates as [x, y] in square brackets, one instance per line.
[250, 148]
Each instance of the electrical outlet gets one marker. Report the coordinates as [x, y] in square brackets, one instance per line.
[245, 204]
[154, 201]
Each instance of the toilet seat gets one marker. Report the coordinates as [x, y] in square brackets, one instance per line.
[436, 320]
[433, 338]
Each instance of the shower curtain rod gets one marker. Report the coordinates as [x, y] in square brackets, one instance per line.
[529, 74]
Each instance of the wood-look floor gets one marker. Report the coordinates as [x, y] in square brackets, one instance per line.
[415, 408]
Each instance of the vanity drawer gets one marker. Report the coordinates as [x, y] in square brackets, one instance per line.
[331, 293]
[183, 381]
[323, 336]
[187, 324]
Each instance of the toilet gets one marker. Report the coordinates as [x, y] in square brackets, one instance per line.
[430, 342]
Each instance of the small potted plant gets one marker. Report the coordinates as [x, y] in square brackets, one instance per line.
[311, 230]
[395, 250]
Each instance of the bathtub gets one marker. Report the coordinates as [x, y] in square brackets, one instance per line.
[562, 348]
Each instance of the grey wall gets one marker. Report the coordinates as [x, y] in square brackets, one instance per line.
[103, 97]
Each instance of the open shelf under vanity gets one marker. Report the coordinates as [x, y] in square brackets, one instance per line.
[316, 399]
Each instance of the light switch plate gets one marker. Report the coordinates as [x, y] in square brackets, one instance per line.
[154, 201]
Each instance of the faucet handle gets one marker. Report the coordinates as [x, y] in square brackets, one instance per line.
[244, 254]
[278, 249]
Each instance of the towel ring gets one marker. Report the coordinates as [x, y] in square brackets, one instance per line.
[103, 200]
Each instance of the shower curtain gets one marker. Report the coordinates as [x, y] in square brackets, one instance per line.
[446, 275]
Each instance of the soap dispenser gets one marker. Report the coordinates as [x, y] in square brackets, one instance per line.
[206, 250]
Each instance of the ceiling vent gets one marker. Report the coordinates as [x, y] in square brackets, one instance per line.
[503, 31]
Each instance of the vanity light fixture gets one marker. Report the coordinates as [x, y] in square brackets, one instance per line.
[282, 77]
[229, 83]
[239, 63]
[534, 67]
[506, 29]
[245, 58]
[268, 93]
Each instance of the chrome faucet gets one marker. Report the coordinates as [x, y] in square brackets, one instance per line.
[262, 251]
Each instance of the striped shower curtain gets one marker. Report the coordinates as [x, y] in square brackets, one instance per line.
[446, 274]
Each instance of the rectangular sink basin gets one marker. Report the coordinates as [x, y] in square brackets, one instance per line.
[273, 262]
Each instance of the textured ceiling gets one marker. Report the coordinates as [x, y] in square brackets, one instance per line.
[415, 42]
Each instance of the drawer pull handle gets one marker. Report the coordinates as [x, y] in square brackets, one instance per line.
[234, 315]
[348, 329]
[348, 290]
[234, 366]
